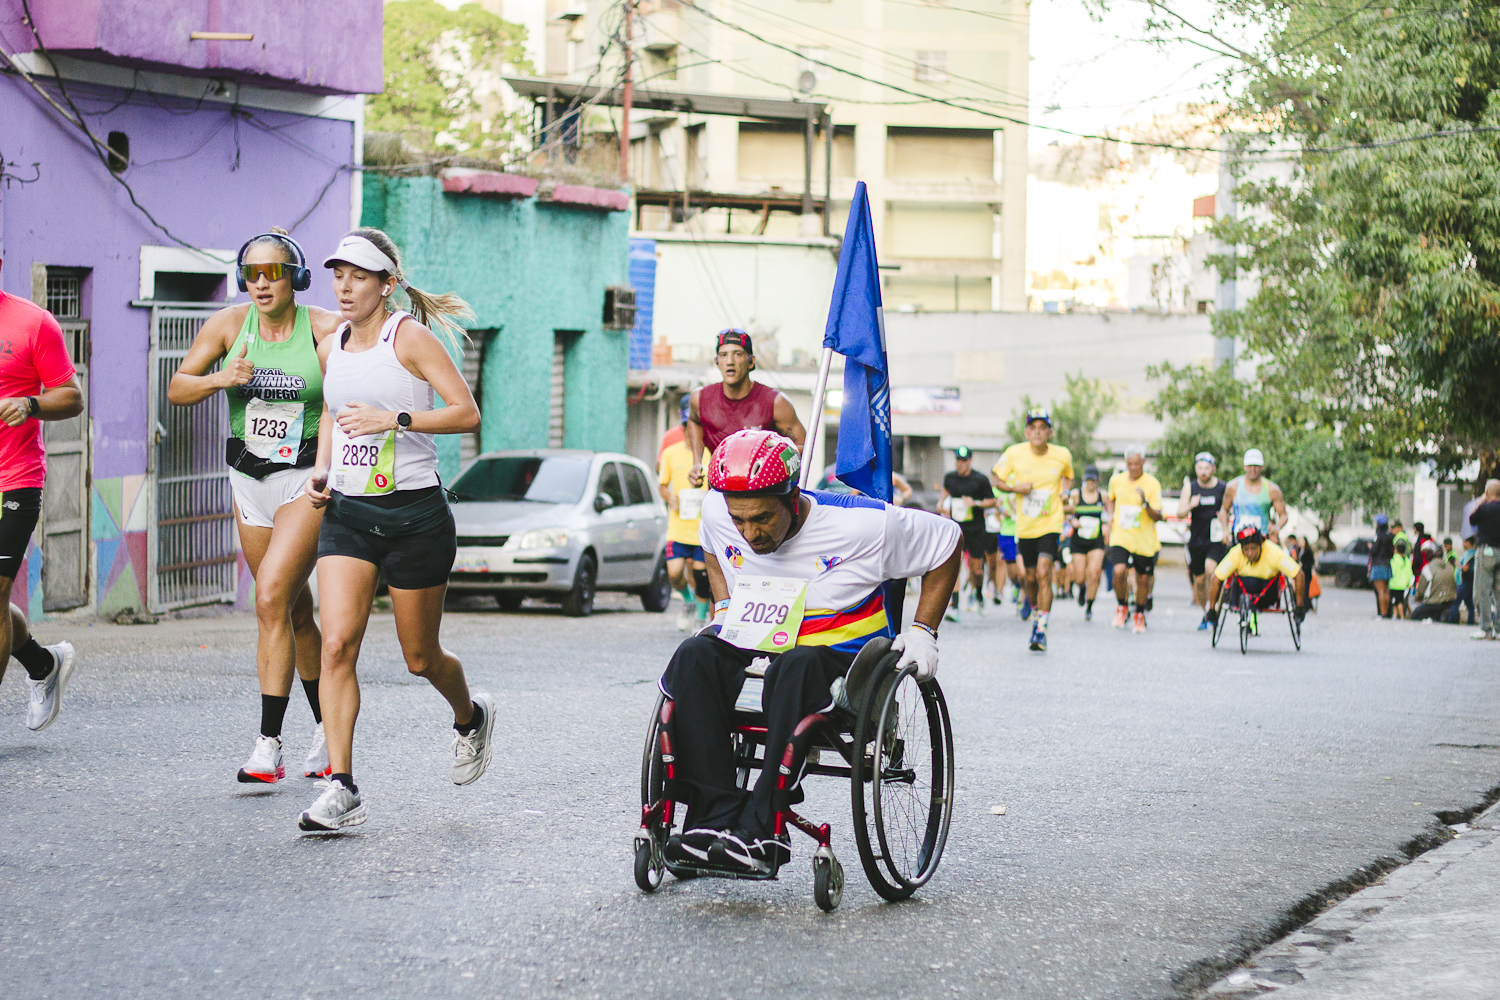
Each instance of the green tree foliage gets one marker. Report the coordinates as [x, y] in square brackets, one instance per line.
[1317, 471]
[1379, 268]
[438, 65]
[1074, 419]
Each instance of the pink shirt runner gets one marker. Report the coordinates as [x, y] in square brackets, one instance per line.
[33, 357]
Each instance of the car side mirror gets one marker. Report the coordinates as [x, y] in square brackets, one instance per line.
[603, 502]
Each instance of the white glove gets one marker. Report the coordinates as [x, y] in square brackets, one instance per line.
[918, 646]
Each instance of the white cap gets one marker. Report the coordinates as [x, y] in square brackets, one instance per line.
[360, 252]
[1254, 457]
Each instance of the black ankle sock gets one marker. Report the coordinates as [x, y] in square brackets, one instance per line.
[347, 780]
[1089, 606]
[474, 723]
[311, 687]
[37, 661]
[272, 712]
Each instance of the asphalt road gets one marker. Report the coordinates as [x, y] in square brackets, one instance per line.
[1167, 806]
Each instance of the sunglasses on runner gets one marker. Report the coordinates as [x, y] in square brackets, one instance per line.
[273, 272]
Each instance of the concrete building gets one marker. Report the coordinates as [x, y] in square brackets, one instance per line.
[947, 185]
[218, 136]
[534, 261]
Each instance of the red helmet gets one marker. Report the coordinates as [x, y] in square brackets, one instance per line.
[1250, 534]
[754, 463]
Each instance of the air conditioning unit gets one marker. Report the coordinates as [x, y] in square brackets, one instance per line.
[619, 307]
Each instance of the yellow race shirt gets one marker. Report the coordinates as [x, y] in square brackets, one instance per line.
[1273, 559]
[1039, 512]
[1132, 529]
[673, 467]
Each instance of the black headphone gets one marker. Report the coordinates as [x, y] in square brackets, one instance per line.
[301, 276]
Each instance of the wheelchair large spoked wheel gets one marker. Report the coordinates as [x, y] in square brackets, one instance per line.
[1247, 618]
[902, 781]
[650, 865]
[1289, 605]
[1219, 622]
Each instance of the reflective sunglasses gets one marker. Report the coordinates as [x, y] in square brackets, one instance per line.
[273, 272]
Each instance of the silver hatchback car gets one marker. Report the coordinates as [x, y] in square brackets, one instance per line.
[560, 524]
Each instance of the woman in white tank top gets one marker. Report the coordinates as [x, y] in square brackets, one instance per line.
[376, 473]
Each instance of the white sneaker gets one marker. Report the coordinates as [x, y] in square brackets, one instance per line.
[46, 696]
[687, 616]
[265, 761]
[315, 764]
[1481, 634]
[334, 808]
[471, 753]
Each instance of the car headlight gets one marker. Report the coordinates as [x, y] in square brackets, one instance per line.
[544, 538]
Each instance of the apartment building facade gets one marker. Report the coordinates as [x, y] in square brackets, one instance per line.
[947, 181]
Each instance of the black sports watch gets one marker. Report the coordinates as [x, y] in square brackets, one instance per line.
[34, 405]
[403, 422]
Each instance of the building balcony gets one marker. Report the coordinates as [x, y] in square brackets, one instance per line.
[307, 45]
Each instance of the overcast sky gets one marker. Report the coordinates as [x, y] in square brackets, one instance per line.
[1100, 74]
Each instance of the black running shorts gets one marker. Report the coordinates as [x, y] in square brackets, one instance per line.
[411, 562]
[19, 511]
[1083, 546]
[1119, 555]
[1198, 555]
[977, 541]
[1031, 549]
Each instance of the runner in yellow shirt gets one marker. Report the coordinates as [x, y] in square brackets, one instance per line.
[684, 553]
[1041, 475]
[1135, 505]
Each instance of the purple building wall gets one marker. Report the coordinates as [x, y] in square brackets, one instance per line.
[212, 174]
[320, 46]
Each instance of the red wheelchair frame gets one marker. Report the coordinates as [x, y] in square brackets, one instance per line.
[1236, 594]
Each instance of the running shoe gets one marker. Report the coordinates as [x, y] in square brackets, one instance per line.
[335, 808]
[1138, 624]
[1025, 611]
[471, 753]
[1203, 625]
[315, 764]
[46, 695]
[740, 852]
[952, 613]
[687, 616]
[1088, 614]
[1482, 634]
[1122, 616]
[1038, 642]
[691, 847]
[996, 599]
[265, 761]
[979, 604]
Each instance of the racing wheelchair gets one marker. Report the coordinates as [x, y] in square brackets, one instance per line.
[1236, 596]
[887, 735]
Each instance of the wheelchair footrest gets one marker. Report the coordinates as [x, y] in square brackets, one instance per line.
[695, 871]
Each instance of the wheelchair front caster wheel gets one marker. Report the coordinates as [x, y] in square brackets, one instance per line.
[828, 882]
[649, 867]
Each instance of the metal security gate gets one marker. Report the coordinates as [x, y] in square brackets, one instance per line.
[191, 553]
[65, 498]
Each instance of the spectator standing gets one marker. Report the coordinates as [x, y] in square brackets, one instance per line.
[1401, 577]
[1465, 582]
[1436, 590]
[1486, 521]
[1419, 554]
[1380, 565]
[1448, 550]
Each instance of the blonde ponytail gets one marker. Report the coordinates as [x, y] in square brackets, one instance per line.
[442, 314]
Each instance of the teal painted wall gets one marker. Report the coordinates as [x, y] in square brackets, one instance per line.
[529, 269]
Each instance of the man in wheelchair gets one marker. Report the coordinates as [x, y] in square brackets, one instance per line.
[1259, 569]
[829, 554]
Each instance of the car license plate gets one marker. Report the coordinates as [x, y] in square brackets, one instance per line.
[471, 561]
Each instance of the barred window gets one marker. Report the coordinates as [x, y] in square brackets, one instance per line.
[63, 300]
[932, 65]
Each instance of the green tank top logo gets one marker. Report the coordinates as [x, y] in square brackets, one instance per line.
[274, 385]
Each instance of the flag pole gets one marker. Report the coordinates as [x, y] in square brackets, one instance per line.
[820, 393]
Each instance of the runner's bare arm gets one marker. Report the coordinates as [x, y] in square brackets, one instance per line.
[192, 383]
[57, 403]
[716, 579]
[422, 354]
[1225, 506]
[323, 322]
[316, 487]
[1185, 503]
[937, 587]
[693, 432]
[787, 423]
[1279, 503]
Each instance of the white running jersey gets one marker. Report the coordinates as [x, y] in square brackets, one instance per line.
[848, 547]
[376, 464]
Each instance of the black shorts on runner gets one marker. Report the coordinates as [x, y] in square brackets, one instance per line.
[1119, 555]
[411, 562]
[1029, 550]
[1083, 546]
[977, 541]
[1198, 555]
[19, 511]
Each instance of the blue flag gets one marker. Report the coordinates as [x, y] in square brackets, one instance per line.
[856, 330]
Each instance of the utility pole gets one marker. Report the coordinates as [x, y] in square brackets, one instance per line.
[625, 104]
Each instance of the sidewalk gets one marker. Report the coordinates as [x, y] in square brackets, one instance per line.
[1429, 929]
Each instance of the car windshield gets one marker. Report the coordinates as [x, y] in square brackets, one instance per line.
[525, 477]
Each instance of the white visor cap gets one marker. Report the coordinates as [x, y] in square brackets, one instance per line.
[1254, 457]
[361, 253]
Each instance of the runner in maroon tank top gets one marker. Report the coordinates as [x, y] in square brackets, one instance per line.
[736, 404]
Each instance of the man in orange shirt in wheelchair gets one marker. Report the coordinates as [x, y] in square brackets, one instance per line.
[1258, 569]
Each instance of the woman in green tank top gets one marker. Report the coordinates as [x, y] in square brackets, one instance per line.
[274, 388]
[1090, 523]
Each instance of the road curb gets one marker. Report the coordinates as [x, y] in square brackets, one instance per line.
[1287, 962]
